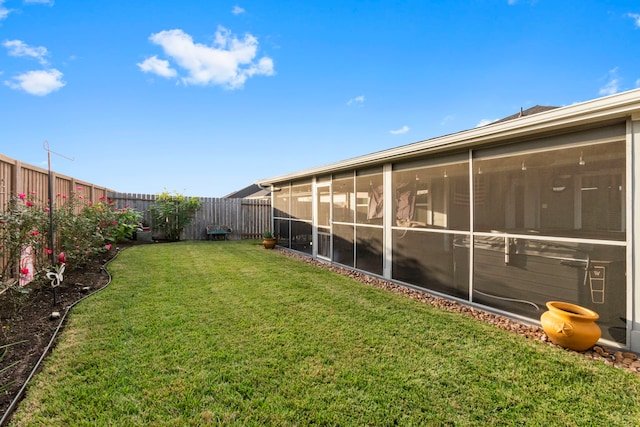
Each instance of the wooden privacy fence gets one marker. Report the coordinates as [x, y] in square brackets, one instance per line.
[247, 218]
[17, 177]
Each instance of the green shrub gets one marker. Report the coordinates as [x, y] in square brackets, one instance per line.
[172, 212]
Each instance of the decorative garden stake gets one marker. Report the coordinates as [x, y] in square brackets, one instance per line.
[570, 325]
[56, 277]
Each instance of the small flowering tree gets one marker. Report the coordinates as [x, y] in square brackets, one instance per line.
[172, 212]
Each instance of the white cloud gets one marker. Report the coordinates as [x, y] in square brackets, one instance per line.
[357, 100]
[19, 48]
[613, 84]
[237, 10]
[447, 119]
[40, 82]
[485, 122]
[403, 129]
[157, 66]
[638, 83]
[4, 12]
[531, 2]
[635, 17]
[229, 62]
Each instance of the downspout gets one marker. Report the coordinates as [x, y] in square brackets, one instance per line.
[633, 234]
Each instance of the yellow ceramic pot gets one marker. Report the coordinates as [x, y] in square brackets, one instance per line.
[570, 325]
[269, 243]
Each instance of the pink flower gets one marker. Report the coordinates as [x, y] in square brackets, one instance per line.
[24, 271]
[108, 246]
[79, 187]
[46, 209]
[32, 192]
[29, 203]
[48, 251]
[62, 258]
[101, 198]
[35, 232]
[22, 196]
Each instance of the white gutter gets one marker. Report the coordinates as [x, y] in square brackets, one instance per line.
[618, 106]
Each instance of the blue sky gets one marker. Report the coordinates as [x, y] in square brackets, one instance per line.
[206, 97]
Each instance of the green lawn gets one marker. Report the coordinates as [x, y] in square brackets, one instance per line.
[217, 333]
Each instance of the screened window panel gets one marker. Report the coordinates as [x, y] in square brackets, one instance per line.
[569, 192]
[343, 244]
[324, 206]
[282, 232]
[344, 200]
[301, 237]
[432, 196]
[301, 202]
[521, 275]
[281, 201]
[429, 260]
[369, 250]
[369, 199]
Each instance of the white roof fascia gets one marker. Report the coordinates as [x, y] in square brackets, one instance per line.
[611, 107]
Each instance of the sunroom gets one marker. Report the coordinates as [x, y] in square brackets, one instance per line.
[505, 217]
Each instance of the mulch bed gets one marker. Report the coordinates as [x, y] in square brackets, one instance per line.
[27, 319]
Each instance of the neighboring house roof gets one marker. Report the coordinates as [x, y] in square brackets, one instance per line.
[253, 191]
[528, 112]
